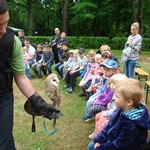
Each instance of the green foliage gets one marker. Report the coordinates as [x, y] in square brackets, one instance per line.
[92, 42]
[85, 17]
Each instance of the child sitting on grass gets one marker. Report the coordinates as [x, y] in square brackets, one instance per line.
[103, 117]
[127, 130]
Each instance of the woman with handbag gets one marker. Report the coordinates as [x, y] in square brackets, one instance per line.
[130, 53]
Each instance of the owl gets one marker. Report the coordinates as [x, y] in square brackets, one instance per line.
[52, 89]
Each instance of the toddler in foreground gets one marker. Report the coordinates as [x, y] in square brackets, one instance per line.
[127, 130]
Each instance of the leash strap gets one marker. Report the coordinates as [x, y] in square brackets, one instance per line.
[33, 123]
[54, 124]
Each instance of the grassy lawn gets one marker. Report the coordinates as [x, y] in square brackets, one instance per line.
[72, 133]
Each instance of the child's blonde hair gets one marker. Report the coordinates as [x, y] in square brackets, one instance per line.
[92, 53]
[116, 78]
[24, 49]
[131, 89]
[98, 56]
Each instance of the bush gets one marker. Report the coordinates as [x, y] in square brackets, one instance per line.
[91, 42]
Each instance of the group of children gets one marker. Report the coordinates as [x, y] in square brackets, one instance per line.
[113, 100]
[116, 102]
[43, 60]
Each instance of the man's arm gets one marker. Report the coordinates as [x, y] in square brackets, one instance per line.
[31, 57]
[37, 101]
[24, 84]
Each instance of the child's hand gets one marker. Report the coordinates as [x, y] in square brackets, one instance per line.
[66, 66]
[92, 70]
[72, 71]
[96, 145]
[44, 64]
[99, 77]
[84, 77]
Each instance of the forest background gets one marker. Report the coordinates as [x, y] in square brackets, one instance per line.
[107, 18]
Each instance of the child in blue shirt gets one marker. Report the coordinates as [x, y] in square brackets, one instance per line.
[48, 60]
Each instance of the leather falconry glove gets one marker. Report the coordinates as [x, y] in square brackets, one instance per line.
[36, 106]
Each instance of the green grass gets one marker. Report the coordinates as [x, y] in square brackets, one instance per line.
[72, 133]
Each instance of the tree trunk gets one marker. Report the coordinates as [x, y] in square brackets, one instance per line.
[65, 17]
[140, 16]
[29, 9]
[140, 19]
[133, 12]
[35, 17]
[47, 13]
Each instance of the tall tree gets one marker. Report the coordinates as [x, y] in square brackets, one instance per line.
[140, 16]
[133, 11]
[65, 16]
[29, 10]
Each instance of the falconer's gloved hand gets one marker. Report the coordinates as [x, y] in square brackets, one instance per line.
[36, 106]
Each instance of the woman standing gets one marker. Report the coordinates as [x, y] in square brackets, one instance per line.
[131, 51]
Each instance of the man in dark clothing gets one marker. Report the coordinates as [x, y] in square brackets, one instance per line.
[54, 44]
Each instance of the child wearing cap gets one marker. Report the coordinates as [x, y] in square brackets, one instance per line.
[127, 130]
[48, 60]
[110, 68]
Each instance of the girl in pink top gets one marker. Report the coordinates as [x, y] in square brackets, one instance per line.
[97, 71]
[94, 71]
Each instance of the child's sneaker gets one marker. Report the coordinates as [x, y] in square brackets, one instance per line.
[85, 117]
[89, 120]
[65, 87]
[92, 136]
[89, 89]
[71, 91]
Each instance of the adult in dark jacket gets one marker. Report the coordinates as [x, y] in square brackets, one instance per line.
[54, 41]
[60, 41]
